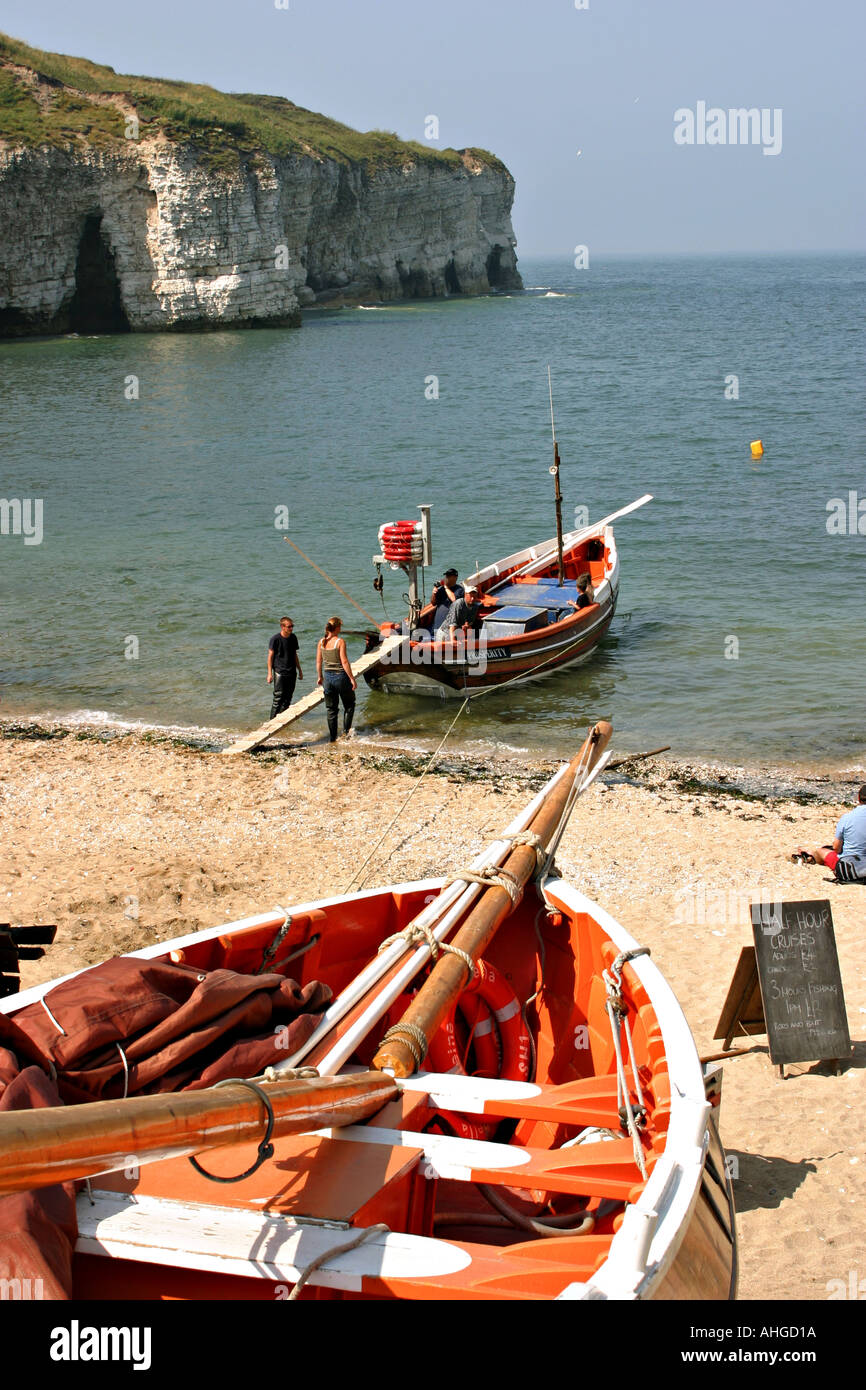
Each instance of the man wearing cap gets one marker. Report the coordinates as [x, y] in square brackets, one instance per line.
[445, 592]
[463, 613]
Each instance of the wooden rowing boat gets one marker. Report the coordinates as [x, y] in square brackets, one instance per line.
[529, 626]
[558, 1141]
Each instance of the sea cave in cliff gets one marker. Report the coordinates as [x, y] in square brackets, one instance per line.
[96, 306]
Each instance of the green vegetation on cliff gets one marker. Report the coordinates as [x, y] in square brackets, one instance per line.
[65, 101]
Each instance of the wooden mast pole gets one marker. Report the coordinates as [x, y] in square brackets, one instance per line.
[447, 980]
[557, 489]
[63, 1143]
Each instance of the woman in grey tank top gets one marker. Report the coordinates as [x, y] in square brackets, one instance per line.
[335, 676]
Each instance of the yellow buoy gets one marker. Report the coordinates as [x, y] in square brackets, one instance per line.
[757, 448]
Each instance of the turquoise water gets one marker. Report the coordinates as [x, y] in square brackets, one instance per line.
[158, 513]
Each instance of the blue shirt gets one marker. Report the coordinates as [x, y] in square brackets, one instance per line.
[851, 830]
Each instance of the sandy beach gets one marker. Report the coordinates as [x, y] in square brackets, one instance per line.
[126, 841]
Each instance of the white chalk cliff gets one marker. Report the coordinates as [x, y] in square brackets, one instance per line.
[144, 231]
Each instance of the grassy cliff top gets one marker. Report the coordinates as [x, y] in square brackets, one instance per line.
[65, 101]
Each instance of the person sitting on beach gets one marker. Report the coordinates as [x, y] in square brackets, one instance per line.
[463, 613]
[585, 594]
[284, 666]
[335, 676]
[847, 857]
[445, 592]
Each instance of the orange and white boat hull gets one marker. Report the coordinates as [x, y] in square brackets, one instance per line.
[163, 1230]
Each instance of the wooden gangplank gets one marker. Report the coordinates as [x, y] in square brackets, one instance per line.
[288, 716]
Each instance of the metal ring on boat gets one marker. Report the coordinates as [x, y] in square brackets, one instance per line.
[266, 1148]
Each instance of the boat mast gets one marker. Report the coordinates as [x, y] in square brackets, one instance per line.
[555, 471]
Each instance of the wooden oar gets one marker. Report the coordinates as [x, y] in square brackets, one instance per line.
[636, 757]
[41, 1147]
[448, 978]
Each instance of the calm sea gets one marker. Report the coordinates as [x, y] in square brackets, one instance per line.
[740, 631]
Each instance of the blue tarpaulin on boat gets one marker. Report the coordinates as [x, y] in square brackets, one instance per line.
[537, 595]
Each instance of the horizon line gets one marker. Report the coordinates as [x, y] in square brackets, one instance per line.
[645, 255]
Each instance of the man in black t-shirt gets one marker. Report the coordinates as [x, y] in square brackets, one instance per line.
[445, 592]
[284, 666]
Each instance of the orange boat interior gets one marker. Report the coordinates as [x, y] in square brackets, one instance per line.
[550, 963]
[588, 557]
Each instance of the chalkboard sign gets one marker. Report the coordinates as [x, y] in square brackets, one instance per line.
[800, 982]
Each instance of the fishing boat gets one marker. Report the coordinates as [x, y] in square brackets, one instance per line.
[533, 620]
[472, 1087]
[528, 626]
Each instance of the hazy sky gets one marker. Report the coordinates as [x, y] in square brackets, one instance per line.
[536, 81]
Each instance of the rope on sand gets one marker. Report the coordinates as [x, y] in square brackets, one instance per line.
[467, 700]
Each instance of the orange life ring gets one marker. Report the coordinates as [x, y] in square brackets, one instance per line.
[445, 1053]
[500, 1016]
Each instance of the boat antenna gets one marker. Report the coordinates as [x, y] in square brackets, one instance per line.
[554, 468]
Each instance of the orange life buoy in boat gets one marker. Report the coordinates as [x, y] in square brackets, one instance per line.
[445, 1054]
[500, 1015]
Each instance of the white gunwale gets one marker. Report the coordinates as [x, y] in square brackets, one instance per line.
[665, 1207]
